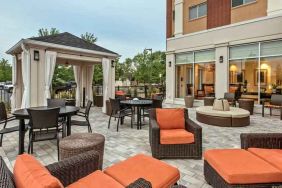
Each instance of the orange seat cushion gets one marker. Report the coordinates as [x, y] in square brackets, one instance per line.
[272, 156]
[170, 118]
[29, 173]
[237, 166]
[160, 174]
[176, 136]
[96, 179]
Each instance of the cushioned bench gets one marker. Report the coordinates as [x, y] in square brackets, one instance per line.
[259, 162]
[236, 117]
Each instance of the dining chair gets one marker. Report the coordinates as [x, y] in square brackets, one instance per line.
[43, 126]
[119, 113]
[85, 114]
[4, 119]
[156, 103]
[56, 103]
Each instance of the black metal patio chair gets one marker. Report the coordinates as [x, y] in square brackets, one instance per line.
[85, 114]
[4, 119]
[119, 113]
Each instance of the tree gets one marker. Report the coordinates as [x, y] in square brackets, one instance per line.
[89, 37]
[5, 70]
[149, 67]
[45, 32]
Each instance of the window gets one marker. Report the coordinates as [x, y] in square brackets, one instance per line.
[198, 11]
[236, 3]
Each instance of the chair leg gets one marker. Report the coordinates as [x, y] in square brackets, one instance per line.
[118, 123]
[1, 138]
[270, 109]
[58, 141]
[89, 127]
[262, 113]
[109, 123]
[30, 144]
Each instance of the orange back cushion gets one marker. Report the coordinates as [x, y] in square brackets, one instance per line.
[29, 173]
[170, 118]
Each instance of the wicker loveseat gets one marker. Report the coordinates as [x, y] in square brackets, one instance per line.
[257, 164]
[161, 151]
[82, 171]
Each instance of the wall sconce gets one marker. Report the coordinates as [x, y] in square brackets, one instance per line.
[169, 63]
[113, 64]
[36, 55]
[221, 59]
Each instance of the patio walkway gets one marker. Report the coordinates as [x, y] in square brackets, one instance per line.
[128, 142]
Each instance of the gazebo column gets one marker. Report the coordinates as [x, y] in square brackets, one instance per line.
[108, 81]
[16, 98]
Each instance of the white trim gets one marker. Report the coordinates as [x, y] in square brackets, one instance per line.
[51, 45]
[226, 26]
[80, 58]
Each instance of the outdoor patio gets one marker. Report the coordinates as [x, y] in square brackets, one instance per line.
[128, 142]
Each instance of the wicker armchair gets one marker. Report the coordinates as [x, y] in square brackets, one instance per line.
[274, 103]
[160, 151]
[253, 140]
[67, 171]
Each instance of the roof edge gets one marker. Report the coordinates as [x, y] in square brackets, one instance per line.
[47, 44]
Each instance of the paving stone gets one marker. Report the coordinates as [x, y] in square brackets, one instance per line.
[129, 142]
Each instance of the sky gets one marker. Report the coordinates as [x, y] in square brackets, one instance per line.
[124, 26]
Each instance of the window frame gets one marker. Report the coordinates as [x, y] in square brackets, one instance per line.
[243, 4]
[197, 10]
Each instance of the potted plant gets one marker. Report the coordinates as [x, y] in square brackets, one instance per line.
[274, 87]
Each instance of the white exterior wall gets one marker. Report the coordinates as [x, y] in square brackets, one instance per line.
[274, 7]
[262, 29]
[221, 71]
[178, 25]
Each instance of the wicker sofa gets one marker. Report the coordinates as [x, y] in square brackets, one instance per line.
[256, 147]
[175, 151]
[82, 171]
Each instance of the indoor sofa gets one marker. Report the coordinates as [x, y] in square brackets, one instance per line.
[257, 165]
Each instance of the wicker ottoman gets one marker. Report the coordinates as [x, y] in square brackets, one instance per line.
[82, 142]
[247, 104]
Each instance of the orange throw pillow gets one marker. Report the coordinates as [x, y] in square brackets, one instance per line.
[29, 173]
[171, 118]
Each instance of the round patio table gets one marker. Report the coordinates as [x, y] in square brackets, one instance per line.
[23, 115]
[139, 104]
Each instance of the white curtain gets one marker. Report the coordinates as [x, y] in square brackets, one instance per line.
[89, 82]
[77, 77]
[14, 80]
[50, 64]
[26, 77]
[106, 71]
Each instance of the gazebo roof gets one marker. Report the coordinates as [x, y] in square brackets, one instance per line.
[68, 39]
[63, 40]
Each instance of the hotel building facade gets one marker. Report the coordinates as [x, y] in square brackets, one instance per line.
[218, 46]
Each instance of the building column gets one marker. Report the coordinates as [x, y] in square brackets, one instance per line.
[221, 70]
[178, 22]
[170, 78]
[274, 7]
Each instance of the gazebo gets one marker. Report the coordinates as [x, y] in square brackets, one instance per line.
[34, 61]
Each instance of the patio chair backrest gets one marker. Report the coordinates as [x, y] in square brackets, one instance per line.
[276, 100]
[3, 112]
[157, 103]
[88, 107]
[115, 104]
[229, 96]
[6, 176]
[44, 119]
[56, 103]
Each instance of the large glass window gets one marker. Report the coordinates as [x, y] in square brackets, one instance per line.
[195, 74]
[197, 11]
[256, 73]
[236, 3]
